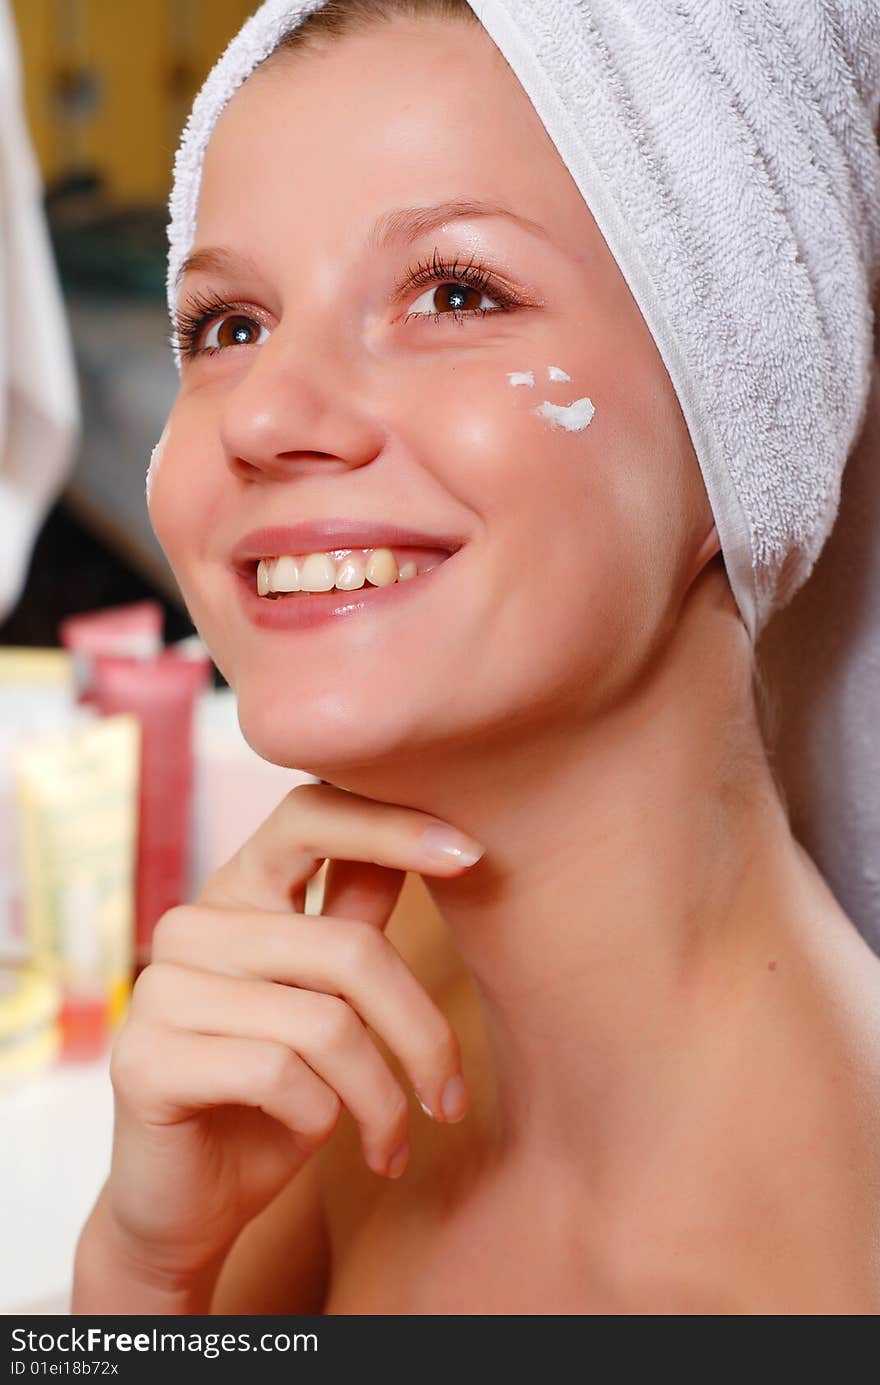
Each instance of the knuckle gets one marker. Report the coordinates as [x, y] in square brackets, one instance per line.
[282, 1069]
[144, 989]
[337, 1026]
[170, 927]
[363, 946]
[121, 1064]
[129, 1070]
[305, 800]
[301, 798]
[150, 992]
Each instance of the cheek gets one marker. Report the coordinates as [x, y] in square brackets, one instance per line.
[536, 444]
[160, 486]
[643, 493]
[184, 504]
[527, 453]
[575, 472]
[178, 468]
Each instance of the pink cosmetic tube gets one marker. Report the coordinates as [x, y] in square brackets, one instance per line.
[162, 694]
[133, 631]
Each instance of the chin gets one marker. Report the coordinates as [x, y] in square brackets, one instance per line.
[324, 735]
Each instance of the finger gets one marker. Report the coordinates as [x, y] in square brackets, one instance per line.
[317, 822]
[200, 1071]
[356, 890]
[339, 957]
[321, 1029]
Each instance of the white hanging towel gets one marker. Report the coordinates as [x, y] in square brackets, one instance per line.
[39, 400]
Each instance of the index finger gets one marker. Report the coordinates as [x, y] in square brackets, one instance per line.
[318, 822]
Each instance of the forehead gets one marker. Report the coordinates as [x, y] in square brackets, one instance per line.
[403, 112]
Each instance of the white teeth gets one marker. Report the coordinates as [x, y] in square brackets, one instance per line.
[381, 567]
[318, 572]
[352, 573]
[286, 576]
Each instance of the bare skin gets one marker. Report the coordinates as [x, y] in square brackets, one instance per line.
[668, 1024]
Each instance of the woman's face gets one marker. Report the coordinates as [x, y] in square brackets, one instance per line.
[341, 390]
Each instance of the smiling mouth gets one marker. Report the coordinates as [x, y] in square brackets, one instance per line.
[339, 570]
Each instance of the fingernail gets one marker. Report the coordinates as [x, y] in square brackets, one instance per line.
[397, 1162]
[449, 845]
[452, 1098]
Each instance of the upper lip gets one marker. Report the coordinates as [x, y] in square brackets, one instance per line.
[325, 535]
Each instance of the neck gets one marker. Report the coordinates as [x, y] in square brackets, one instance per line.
[639, 884]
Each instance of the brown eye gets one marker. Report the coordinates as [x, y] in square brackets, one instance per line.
[236, 329]
[445, 299]
[457, 298]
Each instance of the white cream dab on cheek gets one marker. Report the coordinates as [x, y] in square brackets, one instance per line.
[527, 377]
[573, 417]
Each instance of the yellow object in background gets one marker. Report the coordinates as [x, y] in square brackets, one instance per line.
[78, 804]
[20, 664]
[37, 696]
[120, 994]
[108, 84]
[30, 1036]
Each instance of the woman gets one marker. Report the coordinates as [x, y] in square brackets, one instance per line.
[657, 1045]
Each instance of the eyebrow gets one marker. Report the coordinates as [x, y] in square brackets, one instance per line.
[215, 260]
[406, 224]
[399, 227]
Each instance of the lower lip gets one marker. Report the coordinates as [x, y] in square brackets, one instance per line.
[301, 612]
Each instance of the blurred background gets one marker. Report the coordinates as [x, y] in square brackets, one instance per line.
[105, 90]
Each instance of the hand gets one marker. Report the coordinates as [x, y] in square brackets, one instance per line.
[246, 1034]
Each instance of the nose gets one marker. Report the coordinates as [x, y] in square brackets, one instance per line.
[294, 412]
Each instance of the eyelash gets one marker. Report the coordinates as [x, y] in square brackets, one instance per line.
[204, 309]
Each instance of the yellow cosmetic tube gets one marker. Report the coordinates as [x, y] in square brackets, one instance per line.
[36, 699]
[77, 795]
